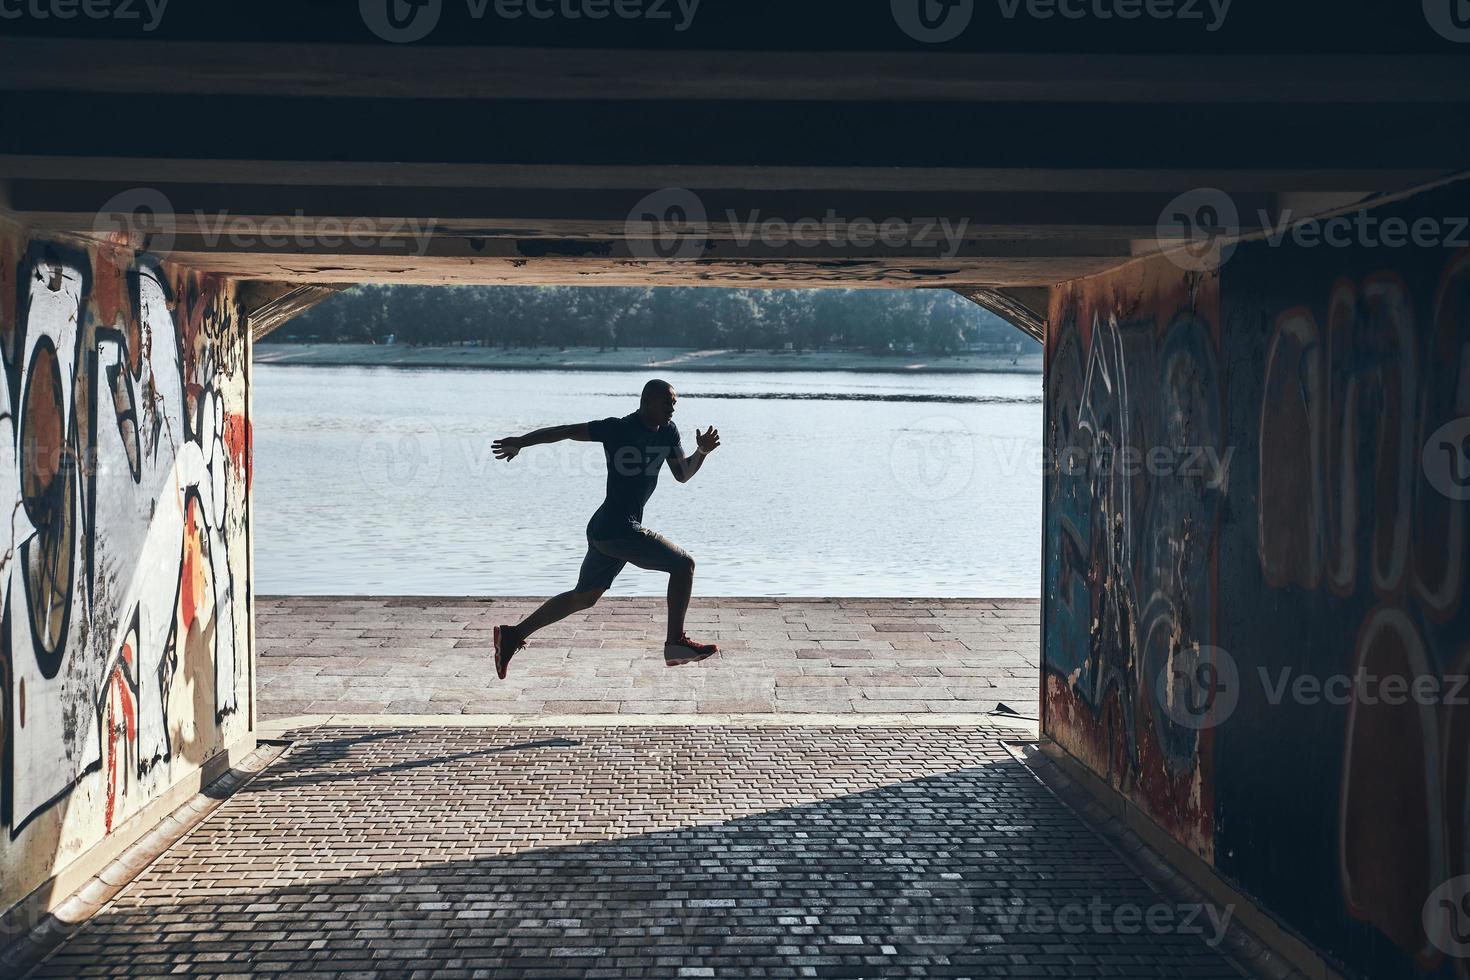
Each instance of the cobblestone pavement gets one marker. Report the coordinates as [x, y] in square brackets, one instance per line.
[654, 852]
[413, 656]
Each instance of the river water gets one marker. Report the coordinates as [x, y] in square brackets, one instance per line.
[381, 481]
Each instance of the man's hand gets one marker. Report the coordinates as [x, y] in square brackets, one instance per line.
[508, 448]
[707, 441]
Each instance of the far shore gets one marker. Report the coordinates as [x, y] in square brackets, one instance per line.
[641, 359]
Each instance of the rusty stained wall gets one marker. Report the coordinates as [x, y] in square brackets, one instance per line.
[1297, 401]
[125, 469]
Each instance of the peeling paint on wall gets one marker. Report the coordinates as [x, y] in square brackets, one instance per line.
[1133, 368]
[1325, 551]
[123, 574]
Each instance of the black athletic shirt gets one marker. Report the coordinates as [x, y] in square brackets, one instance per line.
[634, 457]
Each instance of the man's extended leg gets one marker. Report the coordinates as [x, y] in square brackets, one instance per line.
[555, 609]
[510, 639]
[598, 571]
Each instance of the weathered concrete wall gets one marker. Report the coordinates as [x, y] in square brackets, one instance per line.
[1303, 515]
[124, 467]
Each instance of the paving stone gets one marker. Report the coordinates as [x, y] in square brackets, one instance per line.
[579, 853]
[410, 655]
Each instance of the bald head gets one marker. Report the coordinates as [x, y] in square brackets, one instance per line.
[657, 404]
[656, 389]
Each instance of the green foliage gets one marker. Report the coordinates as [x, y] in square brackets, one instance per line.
[934, 321]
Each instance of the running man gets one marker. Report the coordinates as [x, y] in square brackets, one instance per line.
[636, 446]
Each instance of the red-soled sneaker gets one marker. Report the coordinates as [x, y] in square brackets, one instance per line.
[683, 651]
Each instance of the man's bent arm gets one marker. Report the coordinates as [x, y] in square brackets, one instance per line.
[685, 467]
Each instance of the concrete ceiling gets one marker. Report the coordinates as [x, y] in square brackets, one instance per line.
[287, 143]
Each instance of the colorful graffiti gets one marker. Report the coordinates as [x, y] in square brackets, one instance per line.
[1323, 376]
[1348, 407]
[122, 580]
[1134, 417]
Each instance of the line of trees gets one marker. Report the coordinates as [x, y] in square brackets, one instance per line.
[934, 321]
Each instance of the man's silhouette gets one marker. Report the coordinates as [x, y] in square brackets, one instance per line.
[637, 446]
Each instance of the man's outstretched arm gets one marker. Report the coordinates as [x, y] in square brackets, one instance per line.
[511, 446]
[684, 467]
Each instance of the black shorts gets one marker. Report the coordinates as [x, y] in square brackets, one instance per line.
[606, 557]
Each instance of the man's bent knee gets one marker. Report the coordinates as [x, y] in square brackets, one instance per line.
[588, 598]
[684, 566]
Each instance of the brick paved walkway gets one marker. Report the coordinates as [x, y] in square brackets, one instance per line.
[414, 656]
[566, 852]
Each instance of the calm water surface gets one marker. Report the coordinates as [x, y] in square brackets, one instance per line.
[374, 481]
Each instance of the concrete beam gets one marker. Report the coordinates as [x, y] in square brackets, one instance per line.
[745, 134]
[422, 72]
[1024, 309]
[268, 305]
[787, 273]
[152, 171]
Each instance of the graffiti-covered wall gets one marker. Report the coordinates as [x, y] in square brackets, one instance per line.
[124, 473]
[1256, 545]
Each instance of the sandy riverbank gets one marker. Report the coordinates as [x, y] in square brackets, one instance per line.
[637, 359]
